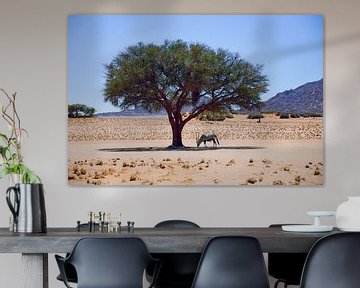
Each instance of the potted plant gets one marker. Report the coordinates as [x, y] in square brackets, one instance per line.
[12, 161]
[25, 197]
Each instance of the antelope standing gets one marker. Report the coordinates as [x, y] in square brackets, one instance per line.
[208, 137]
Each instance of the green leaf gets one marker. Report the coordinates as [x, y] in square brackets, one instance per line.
[3, 152]
[4, 172]
[28, 176]
[26, 132]
[4, 137]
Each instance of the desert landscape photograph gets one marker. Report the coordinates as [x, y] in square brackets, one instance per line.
[187, 106]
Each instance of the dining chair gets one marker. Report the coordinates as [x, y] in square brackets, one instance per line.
[285, 267]
[178, 269]
[108, 263]
[69, 269]
[333, 262]
[231, 262]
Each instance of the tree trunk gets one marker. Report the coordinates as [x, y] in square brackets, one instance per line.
[177, 136]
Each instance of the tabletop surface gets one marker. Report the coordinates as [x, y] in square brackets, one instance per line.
[158, 240]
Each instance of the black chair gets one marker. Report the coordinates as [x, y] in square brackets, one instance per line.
[178, 269]
[108, 263]
[70, 273]
[176, 224]
[286, 267]
[69, 269]
[232, 262]
[333, 262]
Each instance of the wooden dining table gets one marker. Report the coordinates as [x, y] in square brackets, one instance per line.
[35, 247]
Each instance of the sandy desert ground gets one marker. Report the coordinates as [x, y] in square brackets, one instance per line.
[132, 151]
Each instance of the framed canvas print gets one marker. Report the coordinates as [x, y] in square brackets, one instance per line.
[195, 100]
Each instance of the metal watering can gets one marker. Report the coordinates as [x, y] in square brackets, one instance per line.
[28, 208]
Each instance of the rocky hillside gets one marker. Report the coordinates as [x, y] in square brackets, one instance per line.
[307, 98]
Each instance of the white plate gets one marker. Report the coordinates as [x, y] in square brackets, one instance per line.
[306, 228]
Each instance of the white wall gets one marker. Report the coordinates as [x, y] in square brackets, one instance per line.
[33, 62]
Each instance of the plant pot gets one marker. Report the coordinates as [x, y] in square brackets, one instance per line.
[348, 214]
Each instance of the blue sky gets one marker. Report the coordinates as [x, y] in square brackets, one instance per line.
[289, 46]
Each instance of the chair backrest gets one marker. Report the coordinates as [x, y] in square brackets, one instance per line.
[176, 224]
[286, 267]
[110, 262]
[333, 262]
[178, 269]
[232, 262]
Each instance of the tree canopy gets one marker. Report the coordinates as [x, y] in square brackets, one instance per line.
[177, 74]
[80, 110]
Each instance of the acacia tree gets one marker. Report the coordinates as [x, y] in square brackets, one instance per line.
[80, 110]
[177, 74]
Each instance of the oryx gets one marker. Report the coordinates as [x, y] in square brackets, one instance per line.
[207, 137]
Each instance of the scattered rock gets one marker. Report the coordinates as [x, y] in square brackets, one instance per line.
[133, 177]
[97, 182]
[71, 177]
[278, 182]
[251, 180]
[317, 171]
[231, 162]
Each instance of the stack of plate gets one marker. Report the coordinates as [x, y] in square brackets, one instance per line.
[316, 227]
